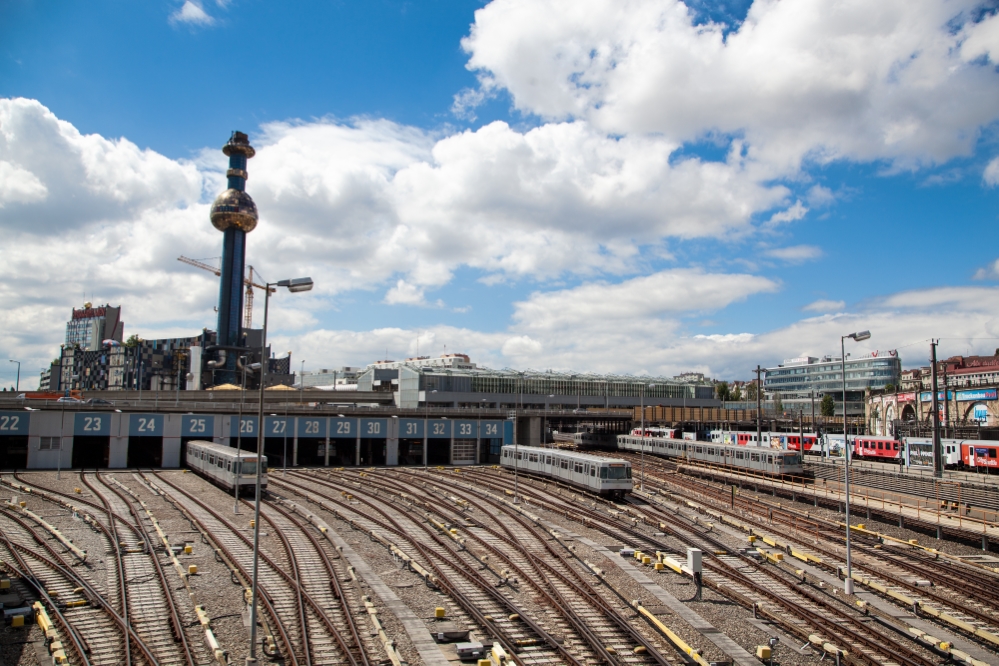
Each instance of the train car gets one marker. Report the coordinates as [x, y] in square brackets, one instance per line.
[980, 455]
[225, 466]
[656, 431]
[593, 440]
[759, 459]
[919, 451]
[607, 477]
[876, 448]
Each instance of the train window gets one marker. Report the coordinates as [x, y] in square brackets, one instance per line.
[564, 464]
[698, 449]
[880, 446]
[770, 460]
[739, 455]
[896, 446]
[992, 453]
[548, 460]
[755, 457]
[603, 472]
[593, 471]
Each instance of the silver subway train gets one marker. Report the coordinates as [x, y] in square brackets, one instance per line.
[609, 477]
[756, 458]
[226, 467]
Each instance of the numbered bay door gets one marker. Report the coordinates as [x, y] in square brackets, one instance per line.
[243, 431]
[197, 426]
[14, 440]
[91, 440]
[145, 440]
[374, 445]
[311, 440]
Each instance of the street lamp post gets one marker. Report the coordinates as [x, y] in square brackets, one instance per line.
[296, 285]
[857, 337]
[17, 385]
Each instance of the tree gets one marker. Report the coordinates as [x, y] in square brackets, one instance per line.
[736, 394]
[751, 392]
[133, 341]
[828, 406]
[721, 390]
[889, 388]
[778, 403]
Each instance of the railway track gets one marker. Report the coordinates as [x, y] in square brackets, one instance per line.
[148, 592]
[740, 578]
[93, 626]
[303, 631]
[593, 626]
[962, 592]
[485, 607]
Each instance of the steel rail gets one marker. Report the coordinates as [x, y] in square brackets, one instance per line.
[979, 588]
[80, 645]
[555, 597]
[394, 527]
[60, 565]
[116, 546]
[175, 620]
[731, 573]
[264, 594]
[361, 657]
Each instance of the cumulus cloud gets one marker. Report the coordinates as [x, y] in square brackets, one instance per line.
[991, 175]
[824, 305]
[192, 13]
[794, 254]
[647, 342]
[990, 272]
[819, 80]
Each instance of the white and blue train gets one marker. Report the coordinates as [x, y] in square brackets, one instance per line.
[608, 477]
[226, 467]
[756, 458]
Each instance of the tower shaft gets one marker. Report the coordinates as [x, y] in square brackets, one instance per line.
[235, 215]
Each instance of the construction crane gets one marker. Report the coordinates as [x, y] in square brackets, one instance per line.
[248, 281]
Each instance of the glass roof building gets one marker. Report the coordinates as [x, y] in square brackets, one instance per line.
[798, 379]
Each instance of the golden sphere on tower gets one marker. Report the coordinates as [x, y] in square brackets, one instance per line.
[234, 208]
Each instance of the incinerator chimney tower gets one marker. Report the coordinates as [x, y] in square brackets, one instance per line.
[235, 215]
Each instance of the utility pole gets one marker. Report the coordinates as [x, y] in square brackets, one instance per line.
[759, 410]
[937, 455]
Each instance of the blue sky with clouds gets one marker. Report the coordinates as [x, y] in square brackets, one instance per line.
[639, 186]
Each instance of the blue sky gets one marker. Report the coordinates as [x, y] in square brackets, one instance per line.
[640, 186]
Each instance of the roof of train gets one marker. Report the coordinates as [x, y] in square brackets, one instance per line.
[571, 455]
[221, 448]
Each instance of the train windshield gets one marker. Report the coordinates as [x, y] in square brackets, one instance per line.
[618, 472]
[250, 467]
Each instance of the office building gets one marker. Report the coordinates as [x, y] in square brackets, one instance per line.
[90, 326]
[798, 380]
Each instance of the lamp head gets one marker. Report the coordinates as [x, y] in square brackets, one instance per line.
[297, 284]
[860, 335]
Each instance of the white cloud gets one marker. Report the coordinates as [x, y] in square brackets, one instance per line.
[824, 305]
[638, 301]
[404, 293]
[642, 341]
[794, 254]
[990, 272]
[18, 185]
[191, 12]
[991, 174]
[823, 79]
[792, 214]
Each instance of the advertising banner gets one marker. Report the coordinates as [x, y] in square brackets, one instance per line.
[977, 394]
[927, 396]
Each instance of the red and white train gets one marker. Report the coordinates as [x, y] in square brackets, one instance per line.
[806, 442]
